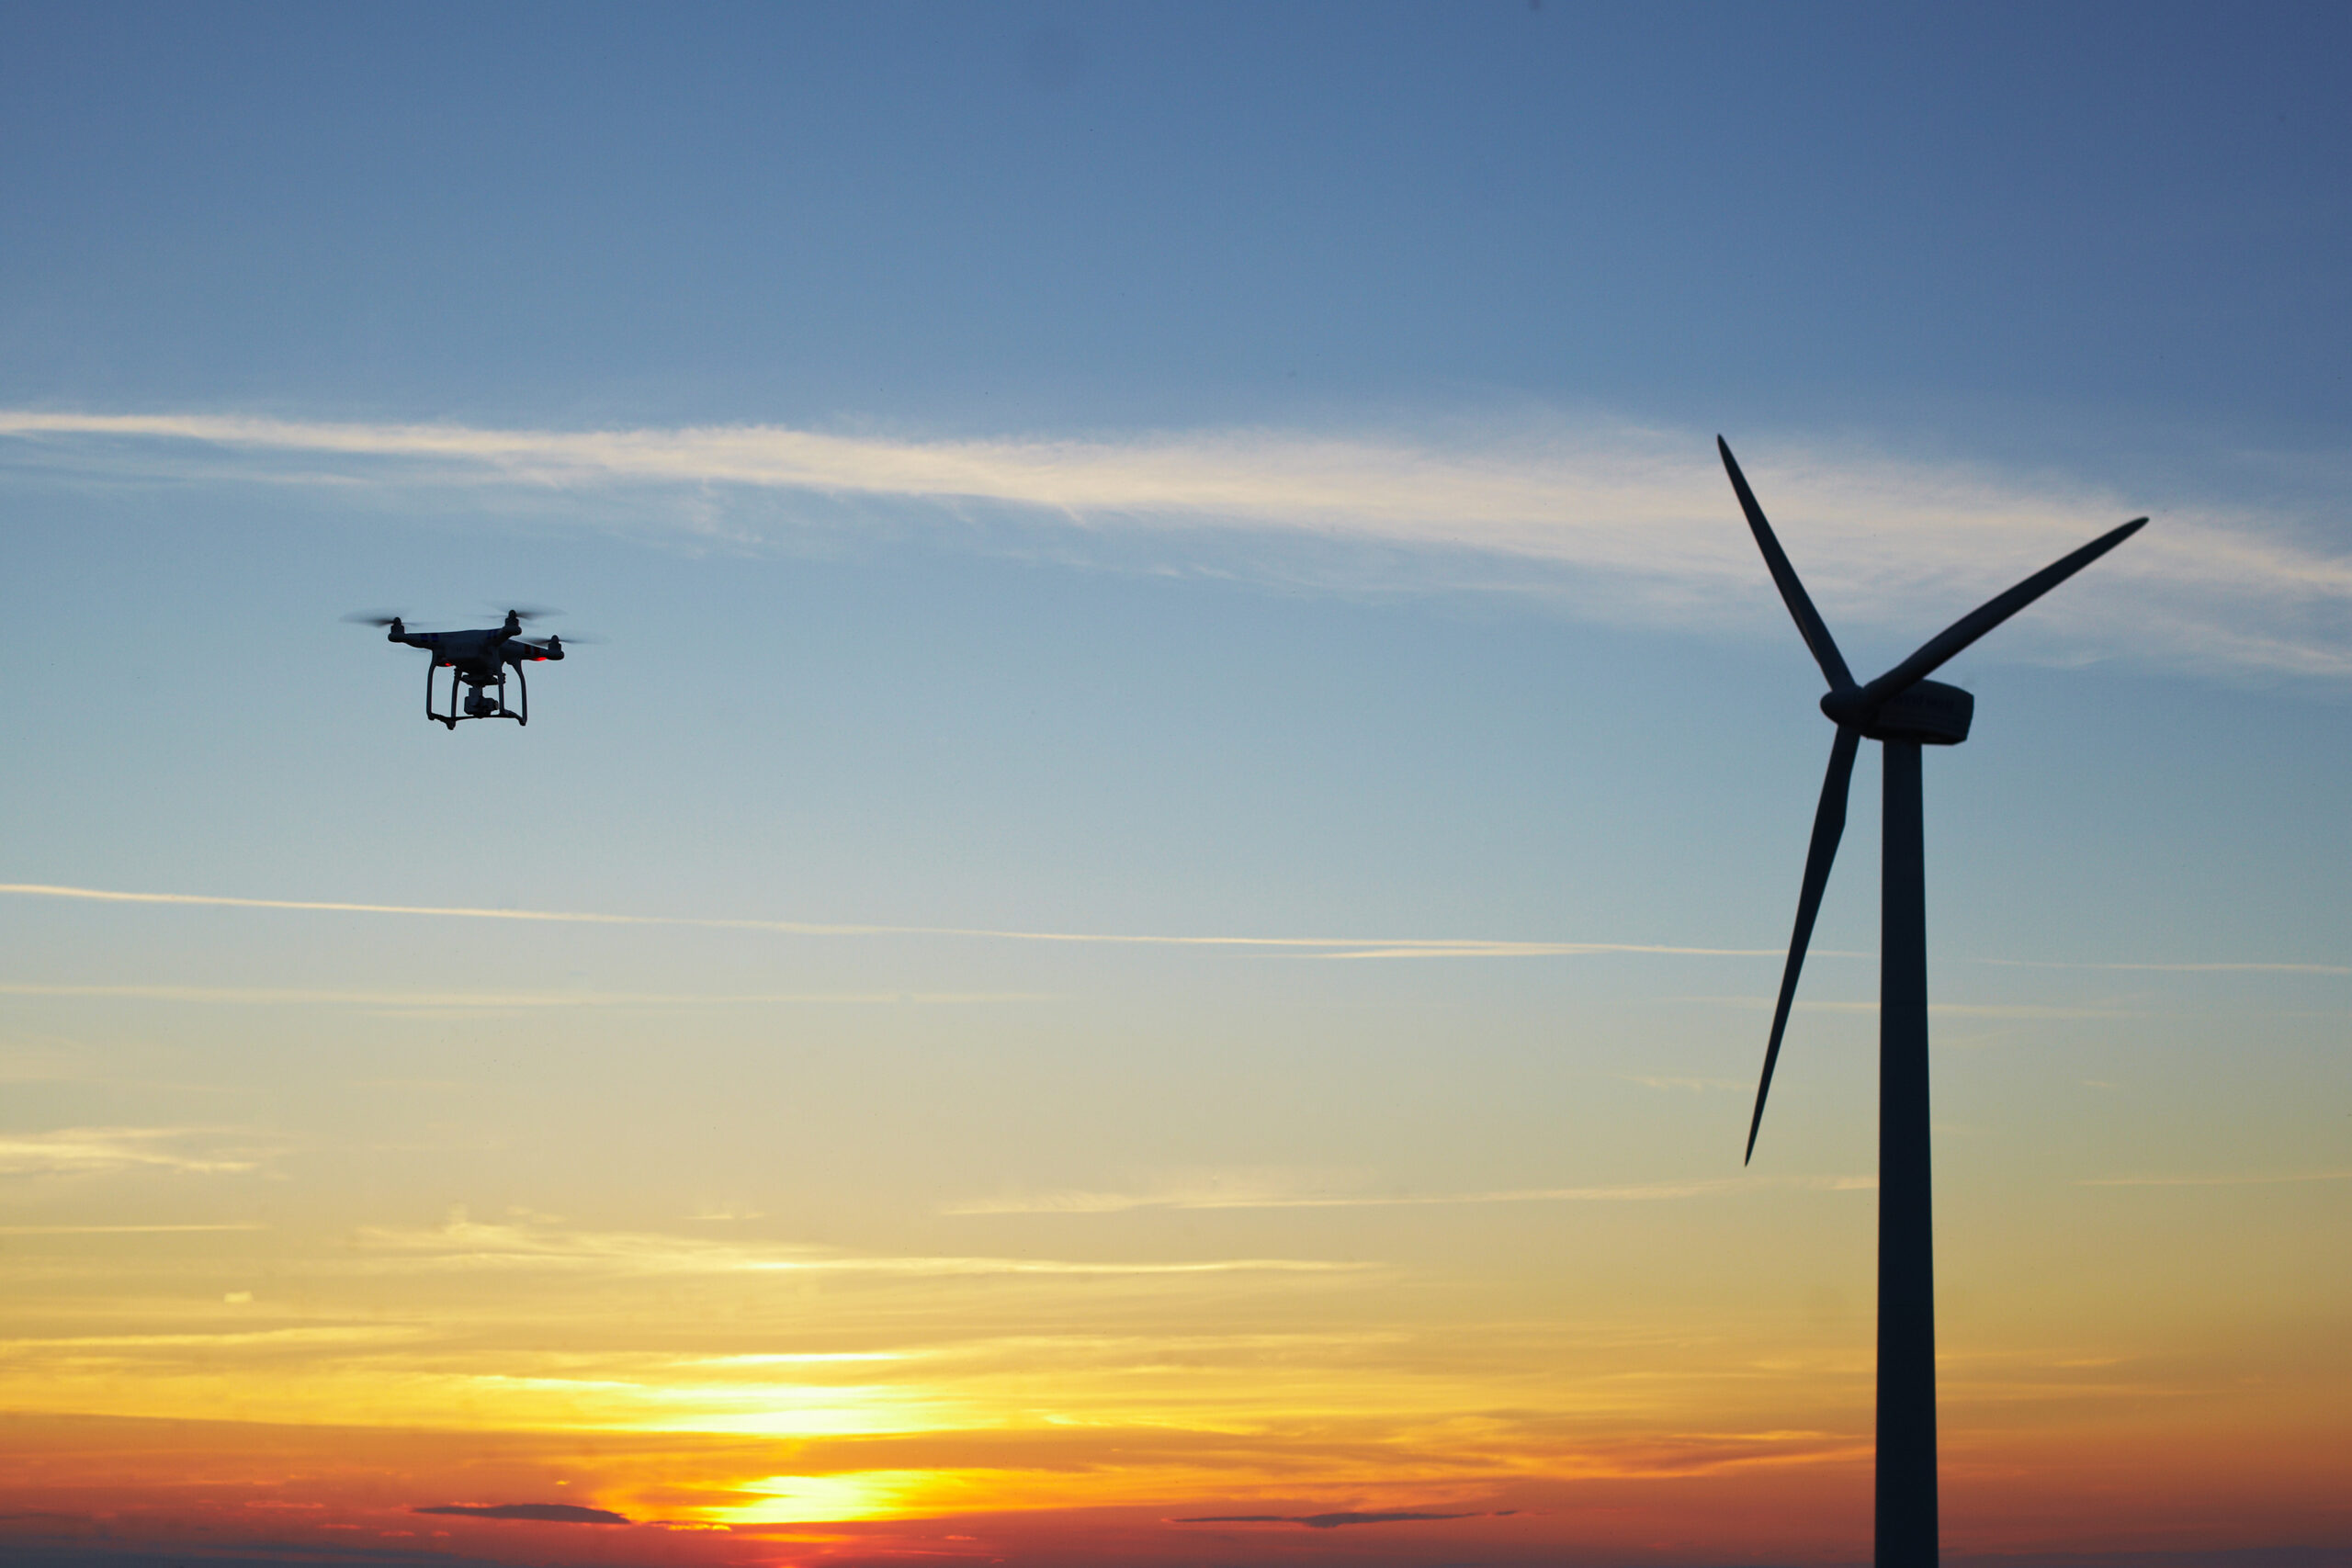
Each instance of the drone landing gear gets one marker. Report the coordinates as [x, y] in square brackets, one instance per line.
[479, 702]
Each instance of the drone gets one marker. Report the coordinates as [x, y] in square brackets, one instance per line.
[477, 659]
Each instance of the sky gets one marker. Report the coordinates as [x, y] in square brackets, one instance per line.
[1148, 935]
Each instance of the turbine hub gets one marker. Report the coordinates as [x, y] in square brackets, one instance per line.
[1927, 712]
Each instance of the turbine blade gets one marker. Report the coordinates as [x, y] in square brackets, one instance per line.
[1937, 650]
[1828, 826]
[1784, 576]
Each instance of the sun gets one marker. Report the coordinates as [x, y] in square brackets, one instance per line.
[806, 1499]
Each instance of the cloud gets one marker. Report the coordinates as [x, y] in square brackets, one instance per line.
[464, 1245]
[1620, 521]
[499, 1002]
[1304, 946]
[262, 1338]
[88, 1151]
[1351, 947]
[1260, 1196]
[122, 1230]
[1940, 1009]
[1329, 1521]
[543, 1513]
[2178, 969]
[2246, 1180]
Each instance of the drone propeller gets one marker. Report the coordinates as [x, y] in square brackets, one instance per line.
[371, 617]
[528, 611]
[567, 638]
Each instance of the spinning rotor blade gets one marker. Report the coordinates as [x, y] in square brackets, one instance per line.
[1828, 826]
[1941, 647]
[1784, 576]
[372, 618]
[528, 611]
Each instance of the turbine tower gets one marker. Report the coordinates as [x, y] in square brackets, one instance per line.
[1902, 710]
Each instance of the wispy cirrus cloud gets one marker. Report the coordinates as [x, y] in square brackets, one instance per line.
[1248, 1194]
[1335, 947]
[1624, 521]
[2218, 968]
[84, 1151]
[124, 1230]
[463, 1244]
[2256, 1178]
[307, 1337]
[1940, 1010]
[495, 1001]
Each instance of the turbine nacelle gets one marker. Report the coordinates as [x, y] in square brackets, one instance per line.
[1927, 712]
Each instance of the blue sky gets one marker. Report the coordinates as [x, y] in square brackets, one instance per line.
[1912, 220]
[2071, 263]
[1178, 471]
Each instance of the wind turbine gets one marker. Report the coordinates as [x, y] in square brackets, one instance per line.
[1902, 710]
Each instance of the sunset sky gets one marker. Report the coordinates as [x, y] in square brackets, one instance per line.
[1149, 936]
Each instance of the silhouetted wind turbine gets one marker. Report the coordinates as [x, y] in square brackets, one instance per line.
[1903, 710]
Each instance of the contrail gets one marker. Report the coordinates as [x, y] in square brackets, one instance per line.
[412, 1002]
[1322, 947]
[1122, 1202]
[2179, 969]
